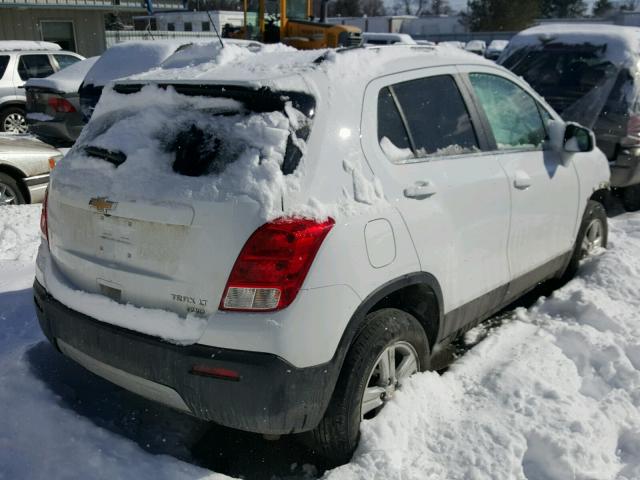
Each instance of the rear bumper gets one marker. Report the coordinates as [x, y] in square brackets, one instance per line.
[271, 397]
[58, 131]
[625, 169]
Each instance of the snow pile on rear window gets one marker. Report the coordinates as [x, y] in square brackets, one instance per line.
[244, 150]
[67, 80]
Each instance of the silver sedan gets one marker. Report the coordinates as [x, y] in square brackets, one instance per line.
[25, 163]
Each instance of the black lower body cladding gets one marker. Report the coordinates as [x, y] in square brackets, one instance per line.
[271, 397]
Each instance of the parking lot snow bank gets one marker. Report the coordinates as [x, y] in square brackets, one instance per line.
[554, 393]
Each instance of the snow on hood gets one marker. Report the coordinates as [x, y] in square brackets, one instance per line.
[67, 80]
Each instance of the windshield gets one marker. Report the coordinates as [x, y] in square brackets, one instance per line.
[563, 73]
[297, 9]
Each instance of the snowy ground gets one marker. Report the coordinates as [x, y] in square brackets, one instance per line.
[549, 392]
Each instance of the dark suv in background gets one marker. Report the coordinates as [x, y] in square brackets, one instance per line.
[588, 75]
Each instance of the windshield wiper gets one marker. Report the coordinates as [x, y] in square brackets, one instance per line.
[116, 157]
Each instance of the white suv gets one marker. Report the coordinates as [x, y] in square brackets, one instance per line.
[275, 241]
[21, 60]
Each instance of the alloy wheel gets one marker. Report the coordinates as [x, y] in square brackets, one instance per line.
[15, 123]
[394, 365]
[593, 238]
[7, 195]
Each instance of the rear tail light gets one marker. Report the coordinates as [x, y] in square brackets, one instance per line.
[52, 163]
[273, 264]
[61, 105]
[44, 214]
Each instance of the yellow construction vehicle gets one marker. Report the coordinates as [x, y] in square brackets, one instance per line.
[291, 22]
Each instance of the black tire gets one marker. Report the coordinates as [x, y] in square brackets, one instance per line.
[631, 198]
[337, 435]
[9, 188]
[594, 212]
[9, 112]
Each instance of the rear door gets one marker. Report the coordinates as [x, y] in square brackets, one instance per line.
[544, 191]
[419, 138]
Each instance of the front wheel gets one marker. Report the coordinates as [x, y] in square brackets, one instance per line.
[391, 347]
[592, 236]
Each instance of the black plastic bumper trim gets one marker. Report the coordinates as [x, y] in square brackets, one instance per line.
[272, 396]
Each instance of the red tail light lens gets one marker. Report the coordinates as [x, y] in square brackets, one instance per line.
[273, 264]
[44, 221]
[61, 105]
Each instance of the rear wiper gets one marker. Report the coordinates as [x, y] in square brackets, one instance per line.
[115, 157]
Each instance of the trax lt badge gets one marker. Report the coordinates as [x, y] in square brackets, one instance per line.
[102, 204]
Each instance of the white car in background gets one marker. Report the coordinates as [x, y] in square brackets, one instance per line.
[476, 46]
[25, 163]
[495, 49]
[277, 242]
[20, 61]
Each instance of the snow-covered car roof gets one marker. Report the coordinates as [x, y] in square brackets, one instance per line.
[128, 58]
[622, 42]
[67, 80]
[21, 45]
[284, 66]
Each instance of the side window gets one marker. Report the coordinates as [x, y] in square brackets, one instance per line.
[512, 113]
[392, 133]
[65, 60]
[34, 66]
[4, 61]
[434, 116]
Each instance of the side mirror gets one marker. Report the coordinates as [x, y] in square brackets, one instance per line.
[570, 137]
[578, 139]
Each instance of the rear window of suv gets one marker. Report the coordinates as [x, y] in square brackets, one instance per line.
[205, 129]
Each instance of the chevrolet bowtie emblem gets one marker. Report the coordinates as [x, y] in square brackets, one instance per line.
[102, 204]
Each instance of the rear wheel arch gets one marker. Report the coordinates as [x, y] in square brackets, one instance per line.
[418, 294]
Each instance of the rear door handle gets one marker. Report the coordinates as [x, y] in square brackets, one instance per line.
[521, 180]
[420, 190]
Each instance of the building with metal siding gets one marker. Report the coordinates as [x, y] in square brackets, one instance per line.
[76, 25]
